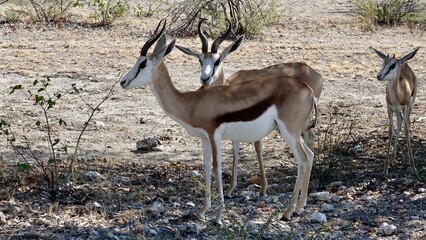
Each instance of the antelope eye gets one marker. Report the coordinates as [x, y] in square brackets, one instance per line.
[392, 66]
[217, 62]
[143, 64]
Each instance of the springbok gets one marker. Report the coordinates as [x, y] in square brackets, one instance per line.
[401, 92]
[244, 112]
[212, 73]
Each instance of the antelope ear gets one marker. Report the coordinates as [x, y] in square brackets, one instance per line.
[409, 56]
[234, 46]
[161, 49]
[188, 51]
[380, 54]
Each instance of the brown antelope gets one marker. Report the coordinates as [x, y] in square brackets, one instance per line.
[244, 112]
[401, 91]
[212, 73]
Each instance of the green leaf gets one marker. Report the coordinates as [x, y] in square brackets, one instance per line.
[50, 103]
[39, 99]
[14, 88]
[35, 82]
[37, 123]
[55, 141]
[23, 166]
[62, 122]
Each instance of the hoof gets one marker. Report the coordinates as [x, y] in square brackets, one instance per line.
[285, 218]
[227, 197]
[217, 224]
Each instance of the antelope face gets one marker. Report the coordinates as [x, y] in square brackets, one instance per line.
[139, 75]
[389, 70]
[210, 64]
[392, 66]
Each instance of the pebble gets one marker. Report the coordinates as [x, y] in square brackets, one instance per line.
[92, 175]
[320, 196]
[421, 190]
[191, 228]
[336, 184]
[327, 207]
[247, 195]
[318, 217]
[2, 218]
[336, 198]
[149, 144]
[158, 206]
[387, 229]
[194, 174]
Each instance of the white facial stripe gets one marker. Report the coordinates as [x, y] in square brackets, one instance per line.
[208, 70]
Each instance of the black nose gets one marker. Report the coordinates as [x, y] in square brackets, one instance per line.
[123, 83]
[205, 81]
[379, 77]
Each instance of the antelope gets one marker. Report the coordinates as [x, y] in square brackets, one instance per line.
[212, 73]
[401, 91]
[244, 112]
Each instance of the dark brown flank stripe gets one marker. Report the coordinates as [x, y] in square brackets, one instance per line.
[246, 115]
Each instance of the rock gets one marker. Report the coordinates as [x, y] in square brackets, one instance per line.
[190, 204]
[92, 175]
[247, 195]
[320, 196]
[336, 184]
[191, 228]
[194, 174]
[318, 217]
[97, 205]
[2, 218]
[421, 190]
[149, 144]
[387, 229]
[158, 206]
[152, 232]
[253, 187]
[336, 198]
[355, 150]
[327, 207]
[99, 125]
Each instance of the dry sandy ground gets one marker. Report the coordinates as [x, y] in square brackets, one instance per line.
[324, 34]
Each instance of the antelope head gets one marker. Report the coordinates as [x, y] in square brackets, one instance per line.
[392, 66]
[211, 62]
[142, 73]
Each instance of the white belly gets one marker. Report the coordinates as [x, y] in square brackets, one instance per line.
[250, 131]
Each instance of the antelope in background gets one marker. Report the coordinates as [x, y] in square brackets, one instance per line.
[244, 112]
[401, 92]
[212, 73]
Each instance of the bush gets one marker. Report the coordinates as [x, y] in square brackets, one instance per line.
[247, 17]
[391, 12]
[41, 10]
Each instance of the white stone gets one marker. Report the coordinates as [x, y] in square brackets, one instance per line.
[2, 218]
[194, 173]
[387, 229]
[318, 217]
[421, 190]
[92, 175]
[320, 196]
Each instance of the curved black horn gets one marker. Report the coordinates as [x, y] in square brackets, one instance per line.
[220, 39]
[154, 37]
[204, 47]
